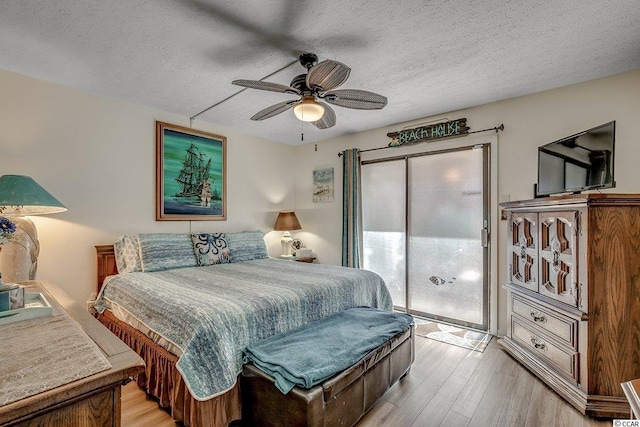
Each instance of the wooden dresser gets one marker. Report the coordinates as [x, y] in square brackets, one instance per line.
[90, 401]
[573, 296]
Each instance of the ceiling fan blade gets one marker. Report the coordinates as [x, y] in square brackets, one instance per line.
[273, 87]
[274, 110]
[354, 98]
[328, 119]
[327, 75]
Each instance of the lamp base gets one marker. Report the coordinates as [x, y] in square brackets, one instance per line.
[19, 257]
[287, 245]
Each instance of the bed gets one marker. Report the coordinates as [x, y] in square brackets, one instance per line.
[190, 304]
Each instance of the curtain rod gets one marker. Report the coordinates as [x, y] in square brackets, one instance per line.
[496, 129]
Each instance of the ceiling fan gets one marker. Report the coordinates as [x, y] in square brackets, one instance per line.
[317, 84]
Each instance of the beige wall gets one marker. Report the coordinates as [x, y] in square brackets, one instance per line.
[530, 121]
[97, 156]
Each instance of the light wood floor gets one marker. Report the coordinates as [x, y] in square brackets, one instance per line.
[447, 386]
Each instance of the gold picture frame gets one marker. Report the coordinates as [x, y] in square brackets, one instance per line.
[191, 174]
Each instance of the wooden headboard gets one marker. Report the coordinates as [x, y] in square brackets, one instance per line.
[106, 263]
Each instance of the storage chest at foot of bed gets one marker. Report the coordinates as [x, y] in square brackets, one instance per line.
[339, 401]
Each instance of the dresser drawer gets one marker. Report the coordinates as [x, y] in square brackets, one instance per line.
[563, 359]
[563, 328]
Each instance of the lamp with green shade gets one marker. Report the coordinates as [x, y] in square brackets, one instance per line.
[20, 195]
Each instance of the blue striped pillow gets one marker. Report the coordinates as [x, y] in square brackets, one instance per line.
[163, 251]
[246, 245]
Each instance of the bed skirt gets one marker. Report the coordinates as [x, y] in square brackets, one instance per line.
[162, 380]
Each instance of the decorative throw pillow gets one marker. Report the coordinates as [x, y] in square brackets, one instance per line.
[127, 252]
[210, 248]
[247, 245]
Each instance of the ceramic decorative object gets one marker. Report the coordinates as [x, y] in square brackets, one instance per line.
[19, 256]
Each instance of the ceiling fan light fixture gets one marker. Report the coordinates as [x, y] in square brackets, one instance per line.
[308, 110]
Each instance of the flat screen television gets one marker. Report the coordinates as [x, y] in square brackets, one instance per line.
[577, 163]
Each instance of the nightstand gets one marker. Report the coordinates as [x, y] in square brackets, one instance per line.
[79, 396]
[307, 259]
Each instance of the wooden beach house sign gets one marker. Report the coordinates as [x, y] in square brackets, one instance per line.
[434, 132]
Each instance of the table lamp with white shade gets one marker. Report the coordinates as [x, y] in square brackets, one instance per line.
[19, 196]
[287, 222]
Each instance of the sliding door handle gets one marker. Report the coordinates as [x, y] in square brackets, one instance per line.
[484, 238]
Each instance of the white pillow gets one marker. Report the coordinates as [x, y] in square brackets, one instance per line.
[127, 252]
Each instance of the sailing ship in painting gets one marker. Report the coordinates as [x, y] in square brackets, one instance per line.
[195, 179]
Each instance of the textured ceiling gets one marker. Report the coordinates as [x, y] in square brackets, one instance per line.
[427, 57]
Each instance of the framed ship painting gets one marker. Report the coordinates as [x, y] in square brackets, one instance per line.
[191, 182]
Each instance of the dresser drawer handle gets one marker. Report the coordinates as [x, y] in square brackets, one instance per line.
[536, 317]
[538, 344]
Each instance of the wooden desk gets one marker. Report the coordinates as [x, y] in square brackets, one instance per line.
[91, 401]
[632, 391]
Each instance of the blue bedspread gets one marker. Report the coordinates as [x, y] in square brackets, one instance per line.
[319, 350]
[213, 313]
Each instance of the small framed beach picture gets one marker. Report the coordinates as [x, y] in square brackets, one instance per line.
[191, 174]
[323, 185]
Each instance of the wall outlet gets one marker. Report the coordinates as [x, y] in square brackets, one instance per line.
[89, 305]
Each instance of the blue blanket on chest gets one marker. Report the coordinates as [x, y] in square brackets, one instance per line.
[319, 350]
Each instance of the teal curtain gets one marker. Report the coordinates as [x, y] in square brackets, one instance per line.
[351, 209]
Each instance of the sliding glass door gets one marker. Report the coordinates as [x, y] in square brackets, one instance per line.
[425, 221]
[384, 224]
